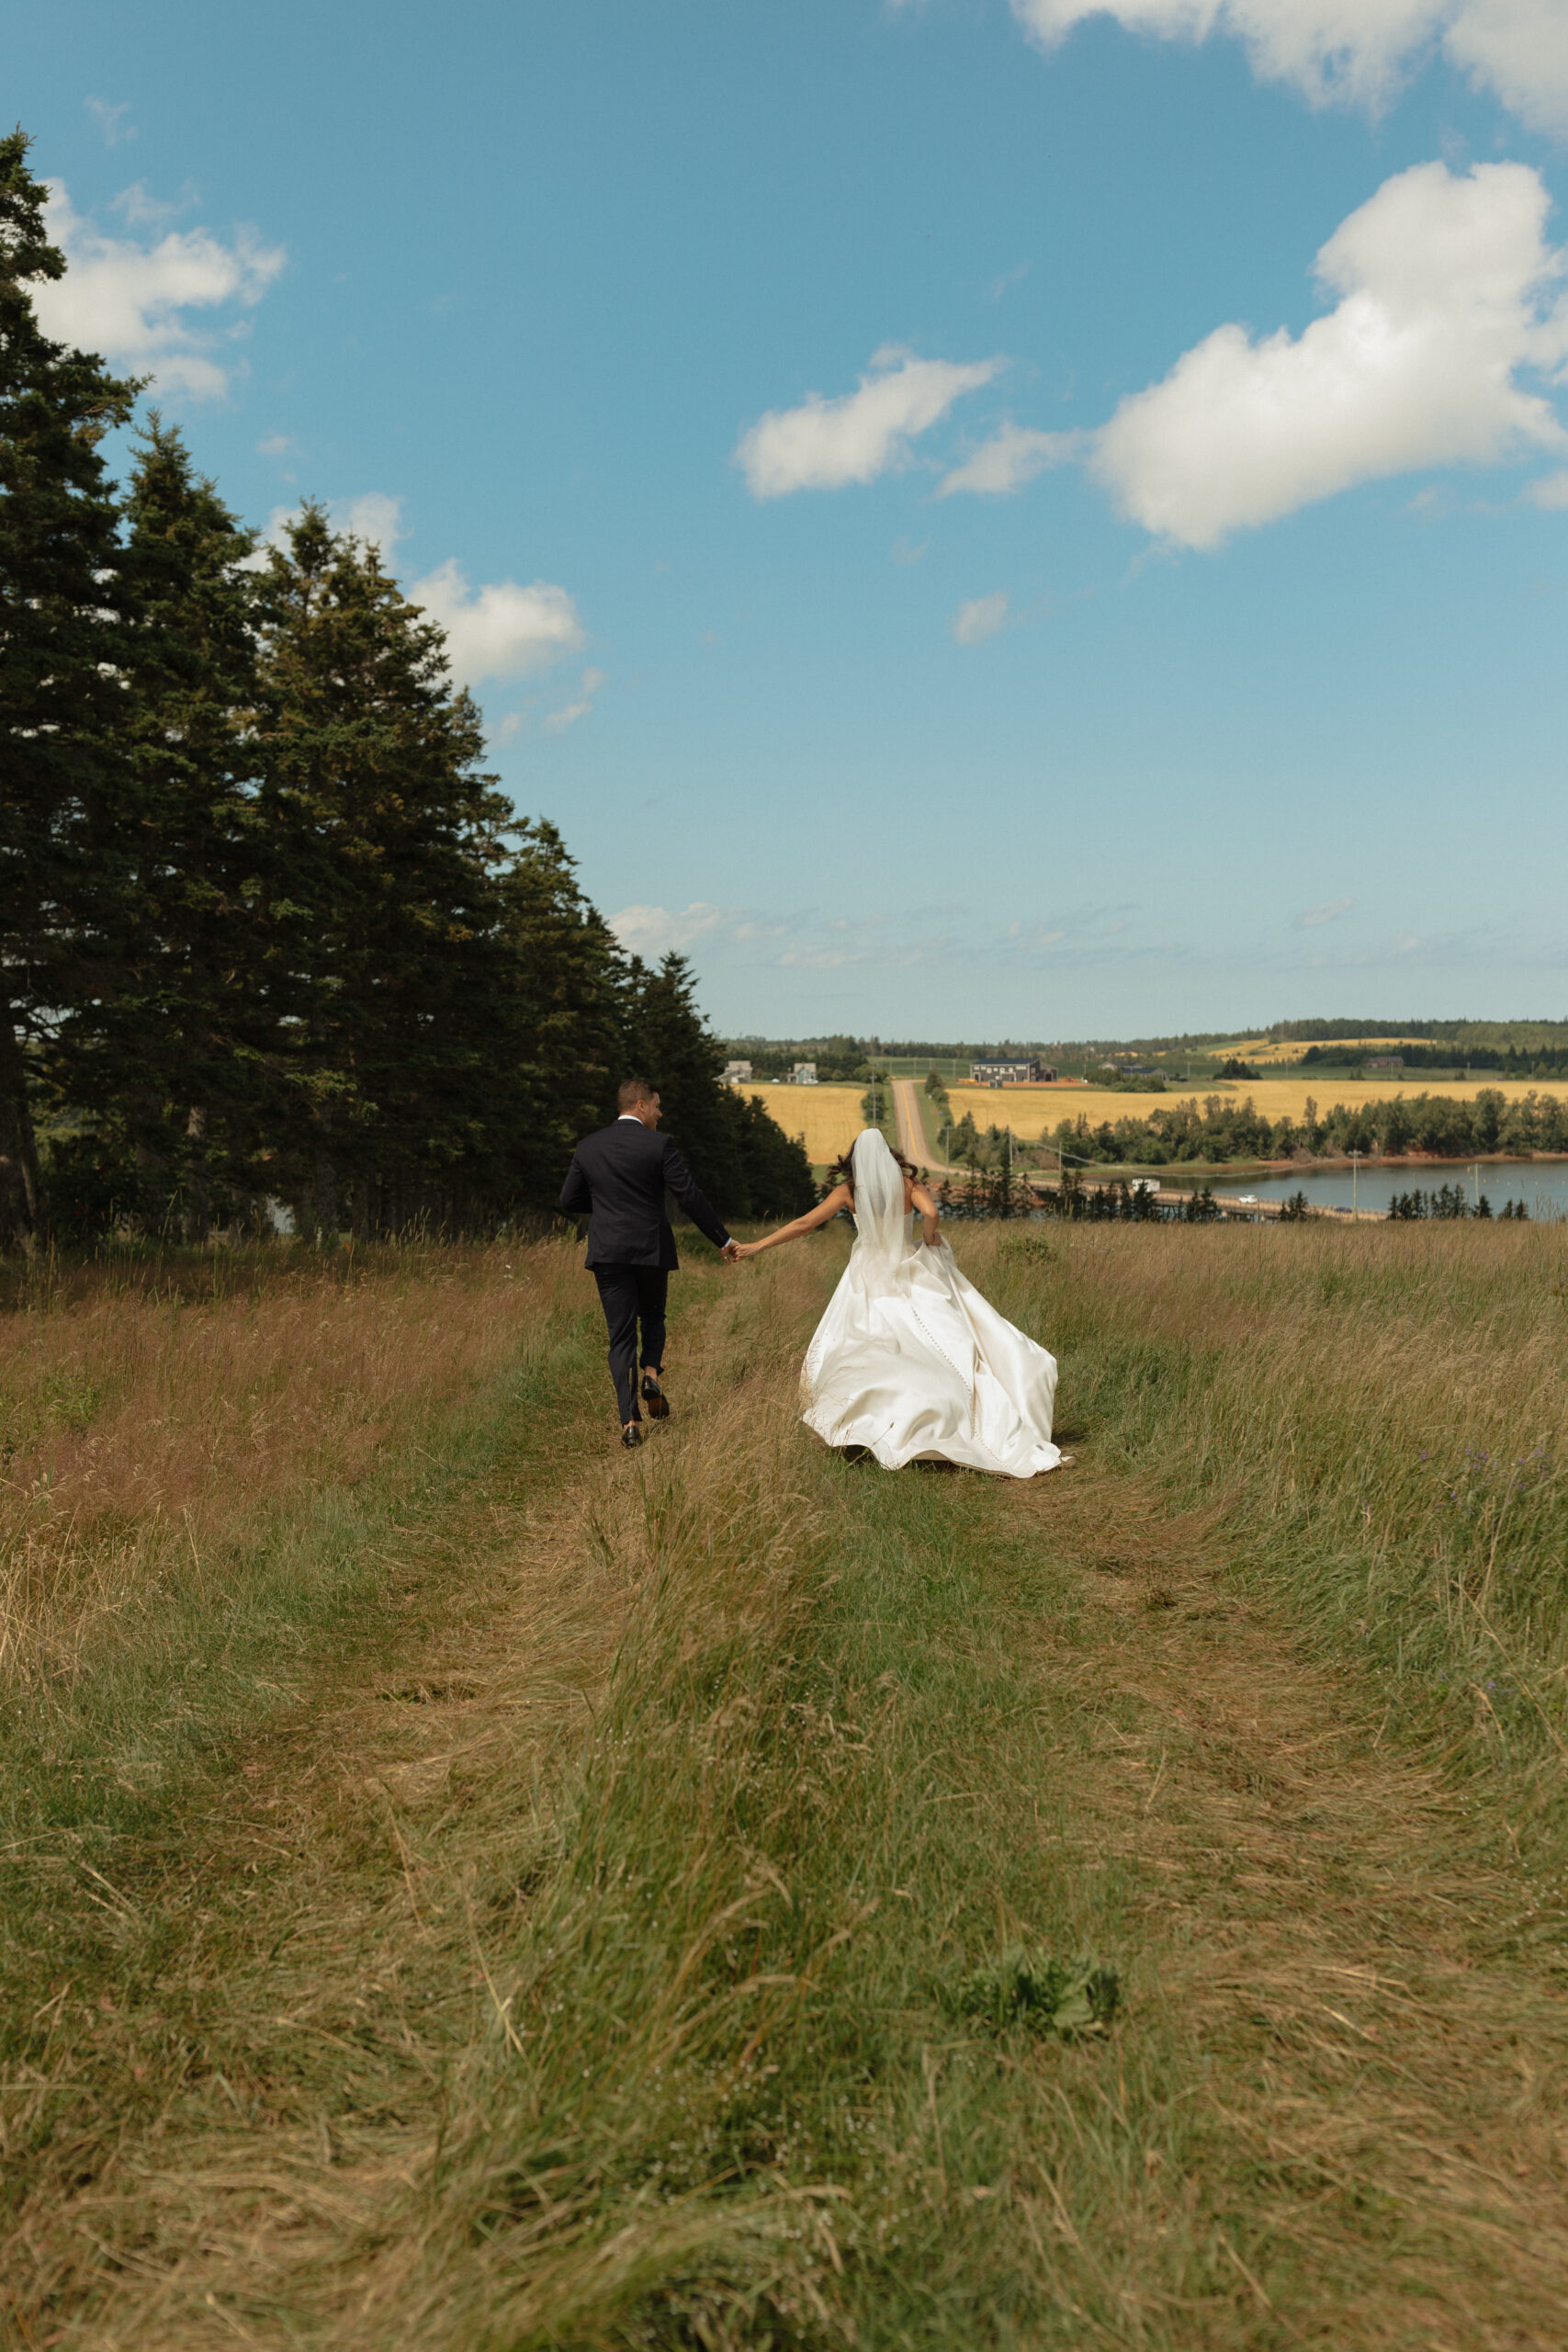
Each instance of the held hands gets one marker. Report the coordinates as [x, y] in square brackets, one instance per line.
[732, 1253]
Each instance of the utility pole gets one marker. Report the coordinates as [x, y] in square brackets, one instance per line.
[1355, 1172]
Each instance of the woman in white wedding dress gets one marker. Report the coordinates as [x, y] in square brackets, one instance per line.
[909, 1362]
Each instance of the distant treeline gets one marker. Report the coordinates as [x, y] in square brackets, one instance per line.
[1525, 1048]
[1463, 1037]
[268, 931]
[1216, 1130]
[1509, 1061]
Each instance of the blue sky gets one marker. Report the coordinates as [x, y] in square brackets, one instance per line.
[1031, 519]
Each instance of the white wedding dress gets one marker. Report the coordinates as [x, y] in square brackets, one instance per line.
[910, 1361]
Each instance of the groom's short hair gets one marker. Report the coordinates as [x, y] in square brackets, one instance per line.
[632, 1091]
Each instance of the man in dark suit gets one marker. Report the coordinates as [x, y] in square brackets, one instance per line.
[617, 1179]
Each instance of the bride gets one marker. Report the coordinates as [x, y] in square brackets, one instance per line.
[909, 1362]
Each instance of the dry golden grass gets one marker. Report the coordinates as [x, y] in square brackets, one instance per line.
[1030, 1110]
[393, 1840]
[141, 1428]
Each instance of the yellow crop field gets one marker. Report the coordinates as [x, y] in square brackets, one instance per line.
[826, 1116]
[1259, 1049]
[1030, 1109]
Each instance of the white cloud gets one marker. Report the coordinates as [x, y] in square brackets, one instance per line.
[1356, 49]
[373, 516]
[654, 931]
[1327, 911]
[275, 445]
[1012, 456]
[1551, 491]
[127, 300]
[823, 445]
[1520, 49]
[1443, 286]
[980, 618]
[557, 721]
[500, 630]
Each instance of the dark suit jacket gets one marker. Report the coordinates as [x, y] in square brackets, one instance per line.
[617, 1180]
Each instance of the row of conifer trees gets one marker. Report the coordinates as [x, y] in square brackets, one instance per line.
[268, 931]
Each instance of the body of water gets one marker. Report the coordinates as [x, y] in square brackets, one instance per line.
[1542, 1185]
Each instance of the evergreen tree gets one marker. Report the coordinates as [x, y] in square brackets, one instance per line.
[667, 1040]
[63, 818]
[383, 956]
[556, 1046]
[169, 1057]
[776, 1169]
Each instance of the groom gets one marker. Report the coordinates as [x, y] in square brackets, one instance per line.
[618, 1179]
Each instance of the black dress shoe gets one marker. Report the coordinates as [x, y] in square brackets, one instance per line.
[653, 1396]
[631, 1437]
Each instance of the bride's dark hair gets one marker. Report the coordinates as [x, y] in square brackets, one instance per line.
[843, 1171]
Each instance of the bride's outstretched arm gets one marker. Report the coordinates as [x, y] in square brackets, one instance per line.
[839, 1198]
[920, 1199]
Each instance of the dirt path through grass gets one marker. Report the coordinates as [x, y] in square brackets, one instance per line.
[1378, 2093]
[583, 1970]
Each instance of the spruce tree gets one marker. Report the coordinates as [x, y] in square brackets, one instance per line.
[668, 1041]
[555, 1032]
[65, 828]
[382, 952]
[171, 1055]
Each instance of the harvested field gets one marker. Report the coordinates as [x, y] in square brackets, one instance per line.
[1030, 1110]
[826, 1117]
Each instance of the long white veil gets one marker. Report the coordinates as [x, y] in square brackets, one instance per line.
[878, 1184]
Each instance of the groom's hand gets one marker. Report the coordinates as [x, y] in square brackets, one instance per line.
[731, 1253]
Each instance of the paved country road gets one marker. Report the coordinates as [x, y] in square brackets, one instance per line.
[911, 1127]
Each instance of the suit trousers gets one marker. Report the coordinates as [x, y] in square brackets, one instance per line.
[627, 1295]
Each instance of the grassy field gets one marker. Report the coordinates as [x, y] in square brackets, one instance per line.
[470, 1888]
[1028, 1110]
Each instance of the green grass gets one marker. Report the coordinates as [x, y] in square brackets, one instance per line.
[637, 1959]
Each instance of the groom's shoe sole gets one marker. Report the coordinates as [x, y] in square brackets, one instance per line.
[657, 1403]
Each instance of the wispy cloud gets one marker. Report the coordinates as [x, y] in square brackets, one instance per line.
[1326, 910]
[557, 721]
[998, 285]
[139, 208]
[980, 618]
[113, 122]
[828, 444]
[1012, 456]
[651, 931]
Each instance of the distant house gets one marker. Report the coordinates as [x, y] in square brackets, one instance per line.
[1018, 1073]
[804, 1074]
[737, 1073]
[1385, 1061]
